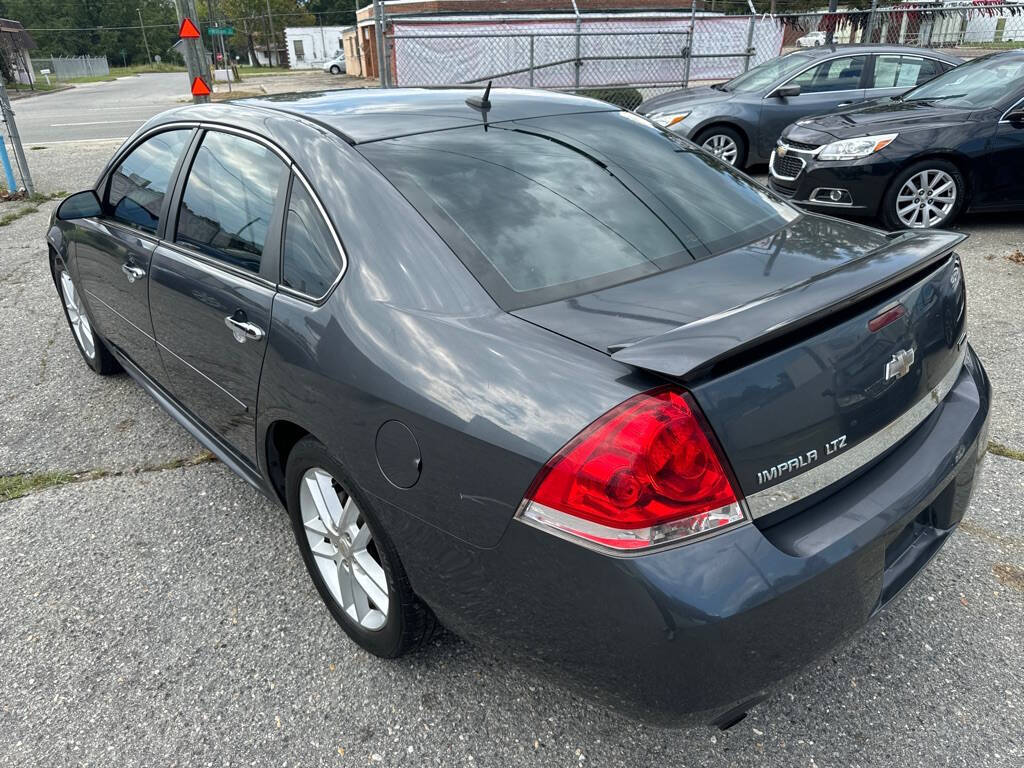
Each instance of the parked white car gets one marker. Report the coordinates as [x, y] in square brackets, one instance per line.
[335, 66]
[811, 40]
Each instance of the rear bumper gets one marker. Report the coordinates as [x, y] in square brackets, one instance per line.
[701, 630]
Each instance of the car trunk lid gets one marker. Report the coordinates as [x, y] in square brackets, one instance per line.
[776, 341]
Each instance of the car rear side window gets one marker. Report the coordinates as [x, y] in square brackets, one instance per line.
[140, 183]
[310, 262]
[841, 74]
[547, 208]
[895, 71]
[229, 199]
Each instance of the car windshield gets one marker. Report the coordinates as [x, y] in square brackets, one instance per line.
[976, 84]
[547, 208]
[765, 74]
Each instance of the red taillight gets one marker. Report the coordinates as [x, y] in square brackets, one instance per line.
[643, 474]
[882, 319]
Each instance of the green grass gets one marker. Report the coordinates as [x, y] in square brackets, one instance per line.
[135, 69]
[15, 486]
[32, 207]
[1001, 450]
[244, 72]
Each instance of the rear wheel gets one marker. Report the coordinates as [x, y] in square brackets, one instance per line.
[91, 346]
[335, 70]
[928, 194]
[724, 143]
[349, 556]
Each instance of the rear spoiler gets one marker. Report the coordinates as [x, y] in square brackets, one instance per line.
[691, 349]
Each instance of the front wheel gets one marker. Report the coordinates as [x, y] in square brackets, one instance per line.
[335, 70]
[928, 194]
[90, 345]
[349, 556]
[724, 143]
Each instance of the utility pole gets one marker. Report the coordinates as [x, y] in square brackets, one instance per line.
[382, 68]
[196, 60]
[145, 42]
[270, 20]
[830, 34]
[12, 129]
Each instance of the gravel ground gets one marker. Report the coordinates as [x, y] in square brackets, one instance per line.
[161, 615]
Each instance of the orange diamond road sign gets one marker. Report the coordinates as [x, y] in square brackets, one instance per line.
[199, 88]
[188, 29]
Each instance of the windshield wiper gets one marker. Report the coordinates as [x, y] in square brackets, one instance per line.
[940, 98]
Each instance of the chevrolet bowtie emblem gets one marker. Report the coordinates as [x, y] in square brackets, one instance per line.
[900, 364]
[781, 151]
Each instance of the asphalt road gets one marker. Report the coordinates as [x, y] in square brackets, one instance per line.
[99, 110]
[154, 614]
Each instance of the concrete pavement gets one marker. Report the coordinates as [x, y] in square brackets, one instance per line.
[161, 615]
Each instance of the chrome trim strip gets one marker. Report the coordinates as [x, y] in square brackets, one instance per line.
[1008, 111]
[165, 347]
[334, 234]
[187, 363]
[823, 475]
[133, 325]
[775, 174]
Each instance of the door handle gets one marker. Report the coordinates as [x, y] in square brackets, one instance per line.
[242, 330]
[132, 272]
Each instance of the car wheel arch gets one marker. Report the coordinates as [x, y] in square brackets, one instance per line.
[963, 165]
[281, 437]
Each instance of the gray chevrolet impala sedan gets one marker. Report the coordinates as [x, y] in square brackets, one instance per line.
[536, 369]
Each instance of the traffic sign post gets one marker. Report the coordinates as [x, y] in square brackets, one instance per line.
[191, 45]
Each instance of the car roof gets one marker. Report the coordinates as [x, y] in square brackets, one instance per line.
[371, 114]
[823, 51]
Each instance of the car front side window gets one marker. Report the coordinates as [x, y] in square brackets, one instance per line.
[229, 199]
[140, 182]
[842, 74]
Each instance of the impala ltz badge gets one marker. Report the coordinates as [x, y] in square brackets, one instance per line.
[900, 364]
[788, 467]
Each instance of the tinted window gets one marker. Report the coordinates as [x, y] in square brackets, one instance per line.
[551, 207]
[229, 199]
[310, 262]
[765, 74]
[834, 75]
[892, 71]
[982, 82]
[139, 184]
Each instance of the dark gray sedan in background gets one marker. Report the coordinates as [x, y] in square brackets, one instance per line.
[543, 371]
[741, 120]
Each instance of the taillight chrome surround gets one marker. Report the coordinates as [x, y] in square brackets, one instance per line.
[648, 473]
[626, 540]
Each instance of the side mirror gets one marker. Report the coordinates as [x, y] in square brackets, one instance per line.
[1016, 117]
[81, 205]
[787, 91]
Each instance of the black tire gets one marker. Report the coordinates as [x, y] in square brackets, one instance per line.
[731, 133]
[409, 622]
[101, 361]
[889, 215]
[335, 70]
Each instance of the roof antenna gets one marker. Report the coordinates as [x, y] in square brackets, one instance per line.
[483, 103]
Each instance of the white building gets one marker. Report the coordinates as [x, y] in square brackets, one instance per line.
[310, 47]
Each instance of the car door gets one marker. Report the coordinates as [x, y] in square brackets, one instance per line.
[113, 251]
[894, 74]
[1003, 162]
[823, 88]
[213, 280]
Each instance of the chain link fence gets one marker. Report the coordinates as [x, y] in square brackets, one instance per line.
[69, 67]
[634, 54]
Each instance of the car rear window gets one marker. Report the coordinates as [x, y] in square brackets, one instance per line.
[548, 208]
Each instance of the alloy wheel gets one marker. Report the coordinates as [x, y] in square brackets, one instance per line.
[722, 147]
[342, 545]
[76, 314]
[926, 199]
